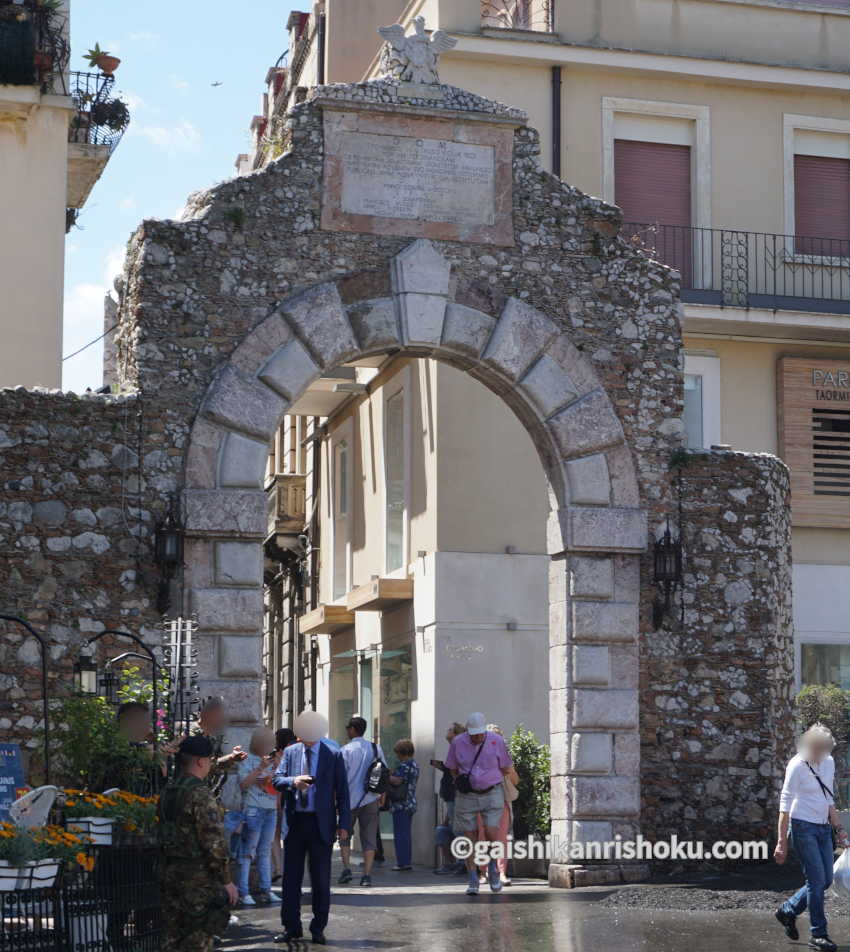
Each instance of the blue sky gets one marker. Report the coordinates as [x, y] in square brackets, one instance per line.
[184, 134]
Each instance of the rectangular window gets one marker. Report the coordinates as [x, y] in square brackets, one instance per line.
[652, 185]
[702, 401]
[693, 411]
[825, 664]
[822, 205]
[395, 474]
[341, 491]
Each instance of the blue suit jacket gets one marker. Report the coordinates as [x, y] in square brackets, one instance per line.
[333, 810]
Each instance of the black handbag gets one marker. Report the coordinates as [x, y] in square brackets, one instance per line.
[463, 782]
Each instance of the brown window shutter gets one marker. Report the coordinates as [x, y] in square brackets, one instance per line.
[821, 205]
[652, 185]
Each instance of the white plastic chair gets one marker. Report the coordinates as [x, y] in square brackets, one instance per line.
[33, 808]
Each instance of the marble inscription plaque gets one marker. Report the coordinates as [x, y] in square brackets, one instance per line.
[403, 177]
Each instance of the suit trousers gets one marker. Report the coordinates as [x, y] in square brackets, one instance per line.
[304, 844]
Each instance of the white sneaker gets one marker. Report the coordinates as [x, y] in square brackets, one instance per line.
[247, 900]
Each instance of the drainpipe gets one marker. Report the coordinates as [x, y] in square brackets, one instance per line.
[556, 121]
[321, 29]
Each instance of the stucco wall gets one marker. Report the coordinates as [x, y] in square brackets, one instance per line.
[32, 245]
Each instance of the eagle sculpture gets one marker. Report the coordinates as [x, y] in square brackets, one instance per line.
[413, 58]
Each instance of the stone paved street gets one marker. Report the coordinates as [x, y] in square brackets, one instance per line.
[427, 912]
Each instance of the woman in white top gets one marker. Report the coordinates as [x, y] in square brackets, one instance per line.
[807, 805]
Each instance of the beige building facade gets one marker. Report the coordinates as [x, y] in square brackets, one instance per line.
[722, 130]
[58, 129]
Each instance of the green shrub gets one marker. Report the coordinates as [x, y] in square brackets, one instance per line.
[827, 704]
[532, 815]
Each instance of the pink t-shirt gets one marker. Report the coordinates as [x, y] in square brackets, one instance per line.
[487, 771]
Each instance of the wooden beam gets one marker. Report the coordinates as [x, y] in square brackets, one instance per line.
[380, 594]
[325, 620]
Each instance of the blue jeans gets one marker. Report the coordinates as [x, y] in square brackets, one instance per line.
[813, 845]
[233, 831]
[257, 836]
[402, 836]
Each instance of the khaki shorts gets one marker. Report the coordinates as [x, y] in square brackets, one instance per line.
[468, 806]
[366, 818]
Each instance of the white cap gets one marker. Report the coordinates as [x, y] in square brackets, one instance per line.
[310, 726]
[476, 723]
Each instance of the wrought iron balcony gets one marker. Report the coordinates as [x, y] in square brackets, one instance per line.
[34, 48]
[96, 128]
[287, 504]
[535, 15]
[752, 269]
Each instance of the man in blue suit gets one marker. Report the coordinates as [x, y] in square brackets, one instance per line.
[313, 781]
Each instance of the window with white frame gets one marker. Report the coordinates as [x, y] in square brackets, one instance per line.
[396, 442]
[702, 401]
[341, 480]
[817, 185]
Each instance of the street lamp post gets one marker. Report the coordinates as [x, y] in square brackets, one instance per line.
[46, 709]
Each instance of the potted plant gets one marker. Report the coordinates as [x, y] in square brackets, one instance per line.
[531, 809]
[113, 113]
[103, 60]
[137, 815]
[30, 858]
[91, 814]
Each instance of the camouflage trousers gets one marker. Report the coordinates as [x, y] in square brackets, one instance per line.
[186, 900]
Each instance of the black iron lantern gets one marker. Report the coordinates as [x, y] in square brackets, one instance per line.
[110, 684]
[168, 544]
[667, 573]
[168, 552]
[85, 674]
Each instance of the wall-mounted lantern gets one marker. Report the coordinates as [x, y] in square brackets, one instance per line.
[168, 552]
[667, 573]
[85, 674]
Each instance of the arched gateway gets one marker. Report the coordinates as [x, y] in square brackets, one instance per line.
[416, 220]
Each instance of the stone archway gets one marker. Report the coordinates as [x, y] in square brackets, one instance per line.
[596, 528]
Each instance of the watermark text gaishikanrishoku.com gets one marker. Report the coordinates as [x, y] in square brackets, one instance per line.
[560, 851]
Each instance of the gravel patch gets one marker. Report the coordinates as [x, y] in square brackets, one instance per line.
[695, 899]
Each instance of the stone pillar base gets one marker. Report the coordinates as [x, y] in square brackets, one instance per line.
[568, 876]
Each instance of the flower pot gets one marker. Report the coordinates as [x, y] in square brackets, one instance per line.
[8, 876]
[87, 920]
[40, 874]
[107, 64]
[98, 829]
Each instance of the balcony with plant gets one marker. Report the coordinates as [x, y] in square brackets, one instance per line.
[34, 47]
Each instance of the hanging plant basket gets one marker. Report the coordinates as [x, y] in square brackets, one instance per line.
[97, 829]
[8, 876]
[39, 874]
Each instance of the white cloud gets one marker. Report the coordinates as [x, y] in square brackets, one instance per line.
[180, 137]
[83, 322]
[178, 83]
[144, 36]
[127, 203]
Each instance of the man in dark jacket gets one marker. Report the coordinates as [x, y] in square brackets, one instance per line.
[314, 784]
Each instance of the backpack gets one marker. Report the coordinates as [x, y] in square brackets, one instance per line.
[377, 776]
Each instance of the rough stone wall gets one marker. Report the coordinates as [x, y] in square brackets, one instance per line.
[716, 719]
[77, 509]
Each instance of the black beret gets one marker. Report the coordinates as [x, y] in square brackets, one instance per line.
[196, 746]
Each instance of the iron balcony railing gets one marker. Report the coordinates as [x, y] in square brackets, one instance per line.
[34, 49]
[535, 15]
[751, 269]
[100, 118]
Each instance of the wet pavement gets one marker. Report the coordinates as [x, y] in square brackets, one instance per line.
[417, 910]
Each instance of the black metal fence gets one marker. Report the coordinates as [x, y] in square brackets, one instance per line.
[100, 118]
[752, 269]
[114, 908]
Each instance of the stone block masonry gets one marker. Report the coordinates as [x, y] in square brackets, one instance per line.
[717, 721]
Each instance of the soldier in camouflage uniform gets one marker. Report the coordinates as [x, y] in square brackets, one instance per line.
[196, 886]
